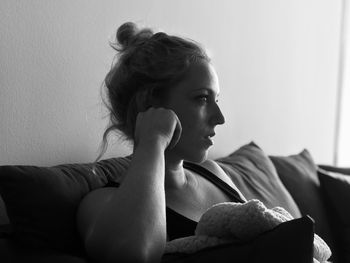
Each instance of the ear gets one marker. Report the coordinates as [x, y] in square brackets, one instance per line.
[157, 96]
[142, 100]
[149, 97]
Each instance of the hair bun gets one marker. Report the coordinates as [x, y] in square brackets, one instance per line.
[126, 32]
[129, 33]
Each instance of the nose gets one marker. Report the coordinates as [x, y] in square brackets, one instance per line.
[217, 117]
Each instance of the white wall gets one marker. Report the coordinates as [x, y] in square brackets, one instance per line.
[277, 61]
[343, 141]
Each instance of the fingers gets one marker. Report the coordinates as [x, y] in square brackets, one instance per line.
[176, 134]
[158, 125]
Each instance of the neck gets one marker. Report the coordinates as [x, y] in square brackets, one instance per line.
[175, 176]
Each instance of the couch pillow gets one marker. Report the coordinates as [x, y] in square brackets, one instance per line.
[299, 174]
[253, 173]
[4, 220]
[41, 202]
[336, 169]
[336, 188]
[290, 242]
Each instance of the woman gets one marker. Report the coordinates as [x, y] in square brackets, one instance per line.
[162, 93]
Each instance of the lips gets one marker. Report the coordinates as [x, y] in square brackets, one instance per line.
[208, 139]
[211, 135]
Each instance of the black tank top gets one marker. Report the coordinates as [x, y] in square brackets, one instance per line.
[181, 226]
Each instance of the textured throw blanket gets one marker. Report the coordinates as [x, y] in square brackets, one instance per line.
[234, 222]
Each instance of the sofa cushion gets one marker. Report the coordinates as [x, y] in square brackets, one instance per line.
[3, 215]
[41, 202]
[255, 176]
[336, 169]
[299, 174]
[336, 188]
[12, 253]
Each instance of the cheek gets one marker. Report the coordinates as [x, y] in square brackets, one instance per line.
[189, 127]
[191, 118]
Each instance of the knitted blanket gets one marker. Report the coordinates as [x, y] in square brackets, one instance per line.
[235, 222]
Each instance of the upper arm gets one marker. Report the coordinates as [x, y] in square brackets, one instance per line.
[96, 219]
[89, 210]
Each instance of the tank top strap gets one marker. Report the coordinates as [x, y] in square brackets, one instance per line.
[214, 179]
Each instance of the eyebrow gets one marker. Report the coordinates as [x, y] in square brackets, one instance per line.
[206, 89]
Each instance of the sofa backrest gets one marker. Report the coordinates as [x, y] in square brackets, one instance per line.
[41, 202]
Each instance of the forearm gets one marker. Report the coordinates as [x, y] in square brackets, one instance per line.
[133, 220]
[140, 200]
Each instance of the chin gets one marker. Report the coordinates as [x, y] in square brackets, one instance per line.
[196, 157]
[194, 154]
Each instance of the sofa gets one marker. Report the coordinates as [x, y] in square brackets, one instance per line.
[38, 208]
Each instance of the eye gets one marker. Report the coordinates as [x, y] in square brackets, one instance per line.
[203, 98]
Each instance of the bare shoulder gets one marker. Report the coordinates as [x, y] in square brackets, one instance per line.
[217, 170]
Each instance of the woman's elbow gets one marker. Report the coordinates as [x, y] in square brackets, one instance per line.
[107, 240]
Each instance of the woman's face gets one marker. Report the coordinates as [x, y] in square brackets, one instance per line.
[194, 100]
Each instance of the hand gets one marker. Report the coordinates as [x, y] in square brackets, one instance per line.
[157, 125]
